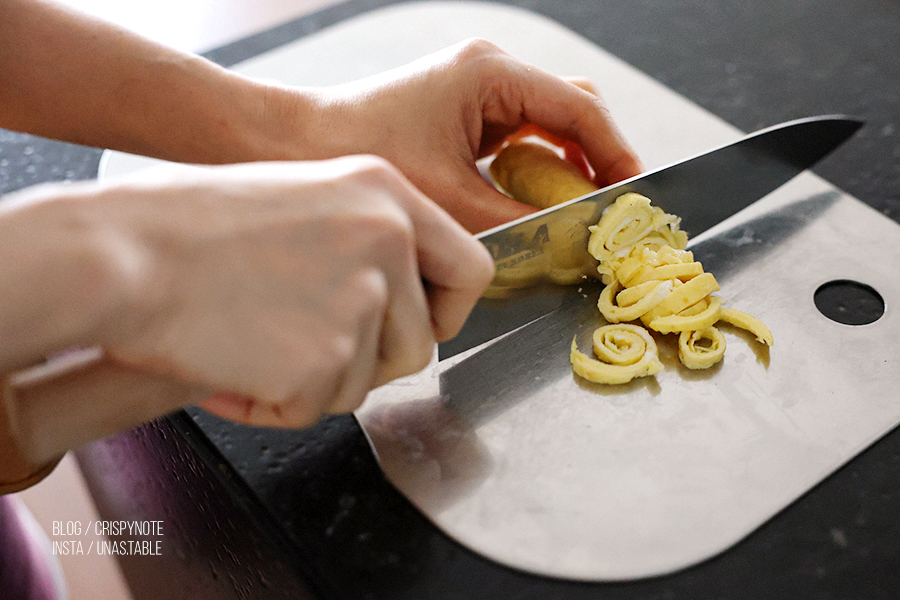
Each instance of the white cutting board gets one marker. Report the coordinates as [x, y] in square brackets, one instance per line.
[517, 459]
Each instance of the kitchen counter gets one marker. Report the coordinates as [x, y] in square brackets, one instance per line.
[256, 513]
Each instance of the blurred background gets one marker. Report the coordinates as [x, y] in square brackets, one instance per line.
[198, 25]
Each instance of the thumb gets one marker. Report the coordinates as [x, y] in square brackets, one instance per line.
[476, 204]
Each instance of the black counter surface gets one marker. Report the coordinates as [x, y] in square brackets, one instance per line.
[256, 513]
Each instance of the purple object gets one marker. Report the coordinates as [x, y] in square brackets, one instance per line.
[28, 570]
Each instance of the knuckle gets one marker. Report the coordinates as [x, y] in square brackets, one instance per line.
[372, 165]
[375, 172]
[477, 48]
[318, 387]
[382, 220]
[337, 353]
[320, 369]
[393, 223]
[389, 234]
[366, 296]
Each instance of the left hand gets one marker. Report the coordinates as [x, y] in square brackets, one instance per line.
[436, 116]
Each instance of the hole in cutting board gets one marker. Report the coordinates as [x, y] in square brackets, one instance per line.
[849, 302]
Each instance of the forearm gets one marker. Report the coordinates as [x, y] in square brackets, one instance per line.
[59, 286]
[68, 76]
[71, 284]
[55, 291]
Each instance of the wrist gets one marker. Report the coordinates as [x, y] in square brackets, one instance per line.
[289, 122]
[64, 282]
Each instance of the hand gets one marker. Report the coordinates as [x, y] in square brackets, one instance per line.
[279, 291]
[299, 285]
[435, 117]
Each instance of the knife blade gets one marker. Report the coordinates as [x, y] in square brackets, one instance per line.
[703, 190]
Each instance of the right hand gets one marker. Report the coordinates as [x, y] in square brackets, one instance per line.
[276, 292]
[299, 285]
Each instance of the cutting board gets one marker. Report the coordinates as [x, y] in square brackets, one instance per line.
[509, 453]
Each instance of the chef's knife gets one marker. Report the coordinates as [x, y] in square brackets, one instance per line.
[703, 190]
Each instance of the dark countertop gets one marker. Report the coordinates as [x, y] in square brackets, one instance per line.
[255, 513]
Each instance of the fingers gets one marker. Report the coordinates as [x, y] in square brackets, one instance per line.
[392, 320]
[587, 121]
[627, 166]
[518, 93]
[475, 203]
[581, 116]
[381, 346]
[250, 411]
[409, 276]
[455, 266]
[403, 339]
